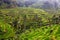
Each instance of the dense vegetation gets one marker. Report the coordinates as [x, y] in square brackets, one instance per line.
[29, 24]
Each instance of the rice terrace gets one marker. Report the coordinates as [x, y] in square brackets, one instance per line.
[29, 19]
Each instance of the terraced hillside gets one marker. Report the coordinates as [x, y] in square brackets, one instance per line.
[28, 24]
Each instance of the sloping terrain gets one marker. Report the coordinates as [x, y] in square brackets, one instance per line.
[29, 24]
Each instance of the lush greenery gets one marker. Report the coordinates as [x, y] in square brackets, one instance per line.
[29, 24]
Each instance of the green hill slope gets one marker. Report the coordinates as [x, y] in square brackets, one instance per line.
[29, 24]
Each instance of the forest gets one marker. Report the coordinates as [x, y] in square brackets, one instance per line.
[27, 21]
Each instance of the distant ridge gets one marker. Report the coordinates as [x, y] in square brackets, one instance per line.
[47, 5]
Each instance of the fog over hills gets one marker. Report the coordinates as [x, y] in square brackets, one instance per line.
[31, 2]
[51, 5]
[47, 5]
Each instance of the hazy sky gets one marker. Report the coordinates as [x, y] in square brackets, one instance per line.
[39, 0]
[42, 0]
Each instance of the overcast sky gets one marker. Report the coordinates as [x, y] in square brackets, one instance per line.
[42, 0]
[58, 1]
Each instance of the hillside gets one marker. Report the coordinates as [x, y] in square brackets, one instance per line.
[27, 23]
[13, 21]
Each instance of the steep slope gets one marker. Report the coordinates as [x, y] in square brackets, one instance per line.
[14, 20]
[29, 24]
